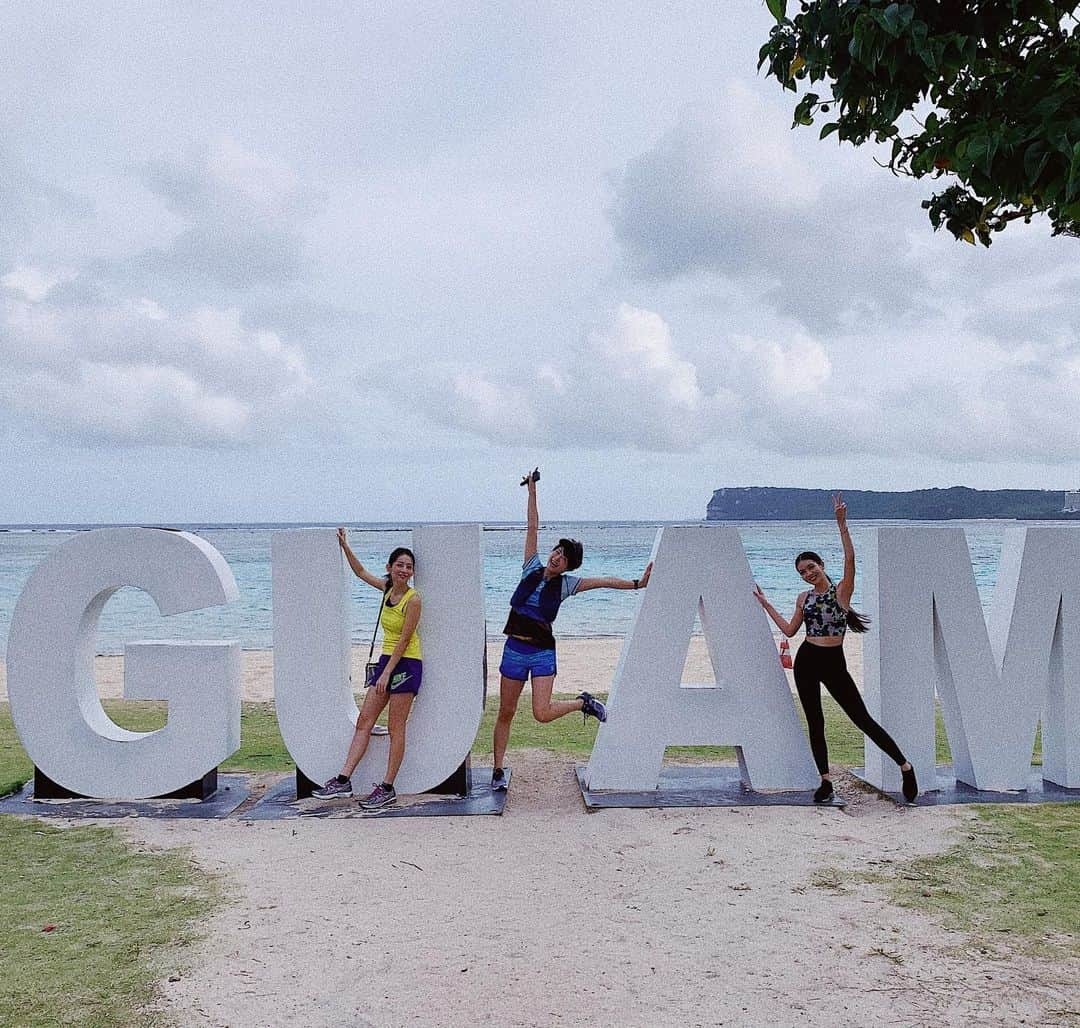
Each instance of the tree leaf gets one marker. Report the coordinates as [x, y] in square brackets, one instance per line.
[998, 83]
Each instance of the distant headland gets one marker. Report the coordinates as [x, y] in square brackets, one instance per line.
[772, 504]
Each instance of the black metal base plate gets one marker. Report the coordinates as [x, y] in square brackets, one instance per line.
[704, 786]
[279, 803]
[232, 790]
[458, 784]
[201, 789]
[950, 792]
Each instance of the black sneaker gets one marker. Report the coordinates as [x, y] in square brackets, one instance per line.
[499, 780]
[824, 792]
[910, 786]
[592, 707]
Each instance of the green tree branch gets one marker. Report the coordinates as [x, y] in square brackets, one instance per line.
[996, 84]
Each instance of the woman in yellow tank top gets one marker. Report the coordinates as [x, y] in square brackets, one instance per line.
[398, 674]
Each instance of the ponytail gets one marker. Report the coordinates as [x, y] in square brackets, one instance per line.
[857, 622]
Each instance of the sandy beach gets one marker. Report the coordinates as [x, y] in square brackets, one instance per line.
[549, 915]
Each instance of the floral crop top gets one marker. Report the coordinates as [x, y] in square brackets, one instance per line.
[823, 615]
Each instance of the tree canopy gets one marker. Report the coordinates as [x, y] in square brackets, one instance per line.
[983, 92]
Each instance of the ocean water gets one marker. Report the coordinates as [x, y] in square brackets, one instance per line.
[611, 548]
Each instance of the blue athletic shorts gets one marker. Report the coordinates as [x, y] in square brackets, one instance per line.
[520, 659]
[406, 675]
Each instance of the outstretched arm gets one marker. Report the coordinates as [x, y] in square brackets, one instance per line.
[617, 583]
[789, 628]
[846, 585]
[375, 581]
[532, 522]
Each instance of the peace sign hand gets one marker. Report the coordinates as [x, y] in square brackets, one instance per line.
[840, 509]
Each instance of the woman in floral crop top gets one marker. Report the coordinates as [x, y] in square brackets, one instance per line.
[825, 611]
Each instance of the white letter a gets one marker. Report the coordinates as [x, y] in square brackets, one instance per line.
[751, 707]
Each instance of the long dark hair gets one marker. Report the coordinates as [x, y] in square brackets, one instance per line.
[856, 622]
[398, 551]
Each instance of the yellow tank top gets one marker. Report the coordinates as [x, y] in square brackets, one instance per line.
[392, 620]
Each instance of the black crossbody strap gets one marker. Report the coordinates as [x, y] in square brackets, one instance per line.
[371, 650]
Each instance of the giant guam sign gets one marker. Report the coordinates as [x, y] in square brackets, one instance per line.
[996, 681]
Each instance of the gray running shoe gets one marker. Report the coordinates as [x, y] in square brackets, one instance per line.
[380, 730]
[499, 780]
[380, 797]
[333, 788]
[592, 707]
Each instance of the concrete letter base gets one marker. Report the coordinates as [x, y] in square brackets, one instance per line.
[698, 786]
[457, 784]
[279, 802]
[232, 790]
[949, 792]
[239, 798]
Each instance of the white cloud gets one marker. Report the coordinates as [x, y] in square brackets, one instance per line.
[35, 283]
[798, 365]
[627, 385]
[137, 374]
[720, 174]
[134, 404]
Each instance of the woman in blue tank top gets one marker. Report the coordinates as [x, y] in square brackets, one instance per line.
[825, 611]
[529, 649]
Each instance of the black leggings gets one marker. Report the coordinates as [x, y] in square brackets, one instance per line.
[825, 665]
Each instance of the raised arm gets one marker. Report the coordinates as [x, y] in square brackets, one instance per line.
[412, 619]
[532, 521]
[846, 586]
[789, 628]
[375, 581]
[617, 583]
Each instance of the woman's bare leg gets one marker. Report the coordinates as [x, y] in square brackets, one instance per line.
[509, 694]
[400, 705]
[544, 707]
[370, 709]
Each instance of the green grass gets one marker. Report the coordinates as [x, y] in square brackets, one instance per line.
[1013, 877]
[119, 916]
[262, 749]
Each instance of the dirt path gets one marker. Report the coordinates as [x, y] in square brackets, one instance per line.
[552, 916]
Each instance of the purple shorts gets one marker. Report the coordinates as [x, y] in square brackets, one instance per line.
[406, 675]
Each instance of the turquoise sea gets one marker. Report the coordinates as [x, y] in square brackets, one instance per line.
[619, 548]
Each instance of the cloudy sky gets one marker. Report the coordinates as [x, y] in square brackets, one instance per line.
[372, 261]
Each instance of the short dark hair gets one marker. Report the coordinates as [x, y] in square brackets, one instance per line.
[573, 551]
